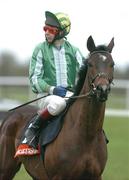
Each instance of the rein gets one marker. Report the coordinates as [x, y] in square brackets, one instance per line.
[80, 96]
[72, 97]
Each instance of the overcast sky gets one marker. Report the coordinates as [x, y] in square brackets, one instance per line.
[21, 23]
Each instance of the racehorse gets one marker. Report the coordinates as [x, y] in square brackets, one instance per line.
[79, 152]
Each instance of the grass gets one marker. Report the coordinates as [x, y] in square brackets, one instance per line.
[117, 131]
[15, 93]
[22, 175]
[116, 100]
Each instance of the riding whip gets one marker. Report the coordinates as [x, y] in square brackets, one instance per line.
[29, 102]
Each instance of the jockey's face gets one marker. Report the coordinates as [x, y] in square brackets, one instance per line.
[50, 33]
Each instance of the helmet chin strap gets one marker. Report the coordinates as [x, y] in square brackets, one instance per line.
[56, 38]
[62, 34]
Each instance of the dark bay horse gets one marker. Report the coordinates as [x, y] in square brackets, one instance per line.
[79, 152]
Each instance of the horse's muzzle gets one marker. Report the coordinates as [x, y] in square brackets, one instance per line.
[102, 92]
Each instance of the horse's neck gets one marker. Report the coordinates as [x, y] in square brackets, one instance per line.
[87, 115]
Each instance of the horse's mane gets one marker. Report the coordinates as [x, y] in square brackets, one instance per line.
[81, 78]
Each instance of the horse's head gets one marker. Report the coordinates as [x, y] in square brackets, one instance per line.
[100, 69]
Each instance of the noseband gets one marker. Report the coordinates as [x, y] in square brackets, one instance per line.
[101, 74]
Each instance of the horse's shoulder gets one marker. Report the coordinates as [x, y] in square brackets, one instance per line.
[26, 109]
[17, 118]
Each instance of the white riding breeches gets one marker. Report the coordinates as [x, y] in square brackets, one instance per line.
[54, 104]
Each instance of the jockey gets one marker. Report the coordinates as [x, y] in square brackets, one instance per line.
[53, 70]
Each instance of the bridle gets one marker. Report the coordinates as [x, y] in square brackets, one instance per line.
[91, 80]
[100, 74]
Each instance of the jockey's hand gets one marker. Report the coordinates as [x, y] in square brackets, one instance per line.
[59, 91]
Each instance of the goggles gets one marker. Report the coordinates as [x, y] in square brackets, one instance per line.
[51, 30]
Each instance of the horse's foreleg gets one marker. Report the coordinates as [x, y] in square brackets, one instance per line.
[8, 165]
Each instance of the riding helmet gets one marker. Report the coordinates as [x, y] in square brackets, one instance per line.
[59, 20]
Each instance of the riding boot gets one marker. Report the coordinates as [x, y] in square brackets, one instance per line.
[33, 131]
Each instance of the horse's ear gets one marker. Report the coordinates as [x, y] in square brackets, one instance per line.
[111, 45]
[90, 44]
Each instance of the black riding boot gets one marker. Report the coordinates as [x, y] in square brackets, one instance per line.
[33, 131]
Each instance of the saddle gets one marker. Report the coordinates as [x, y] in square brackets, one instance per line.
[47, 135]
[50, 132]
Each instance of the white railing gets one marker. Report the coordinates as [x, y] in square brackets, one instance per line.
[118, 84]
[14, 81]
[123, 84]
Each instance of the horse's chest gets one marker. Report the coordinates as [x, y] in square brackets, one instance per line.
[74, 165]
[76, 160]
[77, 169]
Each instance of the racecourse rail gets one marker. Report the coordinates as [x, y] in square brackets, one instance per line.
[23, 81]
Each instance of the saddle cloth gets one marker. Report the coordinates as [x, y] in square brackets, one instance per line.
[47, 135]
